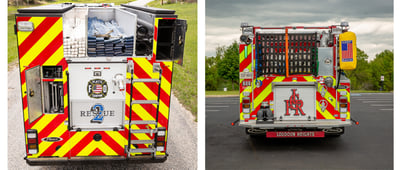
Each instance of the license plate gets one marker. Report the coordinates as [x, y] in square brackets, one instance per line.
[296, 134]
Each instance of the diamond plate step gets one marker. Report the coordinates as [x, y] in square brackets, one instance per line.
[142, 141]
[142, 150]
[143, 122]
[143, 130]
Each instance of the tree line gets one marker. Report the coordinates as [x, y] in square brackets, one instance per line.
[222, 70]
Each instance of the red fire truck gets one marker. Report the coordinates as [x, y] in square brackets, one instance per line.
[96, 81]
[292, 82]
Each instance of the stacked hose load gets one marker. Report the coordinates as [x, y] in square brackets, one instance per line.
[105, 38]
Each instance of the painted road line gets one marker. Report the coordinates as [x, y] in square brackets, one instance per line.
[217, 106]
[213, 110]
[377, 105]
[355, 94]
[378, 101]
[385, 109]
[374, 99]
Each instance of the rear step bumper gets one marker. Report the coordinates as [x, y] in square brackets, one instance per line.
[297, 124]
[95, 160]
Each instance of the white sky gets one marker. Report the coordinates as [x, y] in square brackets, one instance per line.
[371, 21]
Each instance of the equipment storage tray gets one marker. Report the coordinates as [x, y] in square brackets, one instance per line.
[99, 32]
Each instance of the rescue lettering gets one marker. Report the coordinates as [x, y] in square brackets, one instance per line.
[93, 113]
[294, 103]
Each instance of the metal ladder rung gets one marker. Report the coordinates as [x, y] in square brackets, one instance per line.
[142, 141]
[142, 150]
[143, 130]
[143, 122]
[145, 102]
[145, 80]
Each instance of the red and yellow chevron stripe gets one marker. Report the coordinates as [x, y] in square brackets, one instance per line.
[265, 93]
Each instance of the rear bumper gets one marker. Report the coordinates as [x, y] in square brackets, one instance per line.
[94, 160]
[320, 124]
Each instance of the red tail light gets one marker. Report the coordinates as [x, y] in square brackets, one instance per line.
[246, 104]
[160, 142]
[32, 139]
[343, 104]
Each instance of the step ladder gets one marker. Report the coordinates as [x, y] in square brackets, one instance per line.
[151, 148]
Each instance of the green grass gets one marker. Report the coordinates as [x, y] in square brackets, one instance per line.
[222, 93]
[184, 82]
[369, 91]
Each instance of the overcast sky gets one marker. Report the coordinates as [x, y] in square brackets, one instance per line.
[371, 20]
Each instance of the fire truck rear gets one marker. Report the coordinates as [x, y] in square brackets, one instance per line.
[96, 81]
[292, 82]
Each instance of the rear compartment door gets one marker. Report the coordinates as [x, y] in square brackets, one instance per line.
[34, 93]
[179, 40]
[294, 102]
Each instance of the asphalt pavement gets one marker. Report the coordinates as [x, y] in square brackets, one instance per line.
[367, 146]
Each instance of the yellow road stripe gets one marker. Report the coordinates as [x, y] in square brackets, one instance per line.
[40, 45]
[23, 35]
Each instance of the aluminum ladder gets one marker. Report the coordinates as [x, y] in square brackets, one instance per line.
[151, 149]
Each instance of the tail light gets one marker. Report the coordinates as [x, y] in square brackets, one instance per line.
[32, 138]
[343, 102]
[160, 140]
[246, 104]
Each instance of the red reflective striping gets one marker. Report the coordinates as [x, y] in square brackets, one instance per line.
[52, 148]
[155, 33]
[49, 128]
[25, 102]
[113, 144]
[97, 152]
[329, 107]
[245, 63]
[39, 31]
[47, 52]
[319, 115]
[81, 144]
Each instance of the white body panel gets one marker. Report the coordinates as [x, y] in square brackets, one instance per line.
[283, 95]
[112, 102]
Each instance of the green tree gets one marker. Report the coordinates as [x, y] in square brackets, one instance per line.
[228, 67]
[211, 73]
[382, 65]
[360, 77]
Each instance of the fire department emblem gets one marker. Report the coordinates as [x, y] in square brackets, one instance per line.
[97, 88]
[294, 103]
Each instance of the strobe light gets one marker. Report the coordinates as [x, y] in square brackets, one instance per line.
[247, 33]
